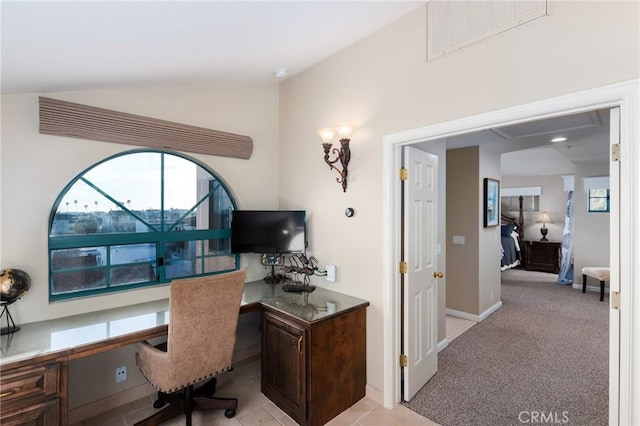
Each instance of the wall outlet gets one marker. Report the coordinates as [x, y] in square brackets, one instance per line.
[491, 295]
[121, 374]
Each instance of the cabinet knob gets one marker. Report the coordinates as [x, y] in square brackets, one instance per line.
[438, 275]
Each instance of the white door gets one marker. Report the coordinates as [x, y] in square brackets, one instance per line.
[420, 297]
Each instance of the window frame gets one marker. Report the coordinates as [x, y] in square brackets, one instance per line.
[158, 237]
[590, 197]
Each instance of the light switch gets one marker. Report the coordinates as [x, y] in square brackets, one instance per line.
[458, 239]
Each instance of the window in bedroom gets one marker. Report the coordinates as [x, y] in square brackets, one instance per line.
[598, 200]
[138, 219]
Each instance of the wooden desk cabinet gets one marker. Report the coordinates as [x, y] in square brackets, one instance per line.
[544, 256]
[30, 395]
[314, 370]
[314, 361]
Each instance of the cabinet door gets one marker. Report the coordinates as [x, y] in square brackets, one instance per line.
[43, 414]
[284, 364]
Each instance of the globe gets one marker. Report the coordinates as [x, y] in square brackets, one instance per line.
[14, 283]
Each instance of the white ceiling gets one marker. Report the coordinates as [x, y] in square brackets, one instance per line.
[80, 45]
[49, 46]
[526, 148]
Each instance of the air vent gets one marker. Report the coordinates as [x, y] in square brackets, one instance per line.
[453, 24]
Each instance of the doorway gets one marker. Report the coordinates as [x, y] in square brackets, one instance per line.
[624, 95]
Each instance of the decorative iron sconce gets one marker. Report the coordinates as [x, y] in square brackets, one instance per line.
[344, 154]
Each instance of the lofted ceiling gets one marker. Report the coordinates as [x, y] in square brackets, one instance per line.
[83, 45]
[49, 46]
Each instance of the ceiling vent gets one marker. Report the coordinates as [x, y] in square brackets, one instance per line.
[552, 125]
[453, 24]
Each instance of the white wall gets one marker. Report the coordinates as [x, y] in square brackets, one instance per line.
[591, 240]
[489, 245]
[384, 85]
[35, 168]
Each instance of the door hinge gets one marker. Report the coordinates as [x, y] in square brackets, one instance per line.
[615, 152]
[403, 360]
[403, 267]
[615, 300]
[404, 174]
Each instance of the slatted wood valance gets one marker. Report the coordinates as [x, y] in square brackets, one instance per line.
[63, 118]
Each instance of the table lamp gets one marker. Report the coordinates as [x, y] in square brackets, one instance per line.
[544, 218]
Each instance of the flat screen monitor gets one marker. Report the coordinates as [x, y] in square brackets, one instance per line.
[268, 231]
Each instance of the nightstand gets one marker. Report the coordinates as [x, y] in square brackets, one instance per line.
[543, 256]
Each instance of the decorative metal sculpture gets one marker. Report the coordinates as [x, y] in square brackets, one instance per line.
[298, 273]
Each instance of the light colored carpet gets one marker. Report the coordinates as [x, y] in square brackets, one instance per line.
[541, 358]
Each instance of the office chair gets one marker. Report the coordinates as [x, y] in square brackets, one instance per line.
[202, 334]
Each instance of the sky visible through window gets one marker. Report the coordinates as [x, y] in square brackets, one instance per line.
[133, 181]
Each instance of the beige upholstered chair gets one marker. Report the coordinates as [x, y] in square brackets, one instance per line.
[202, 334]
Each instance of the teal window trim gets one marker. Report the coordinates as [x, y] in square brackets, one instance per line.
[155, 235]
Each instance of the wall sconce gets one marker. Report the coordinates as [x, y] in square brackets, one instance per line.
[344, 154]
[544, 218]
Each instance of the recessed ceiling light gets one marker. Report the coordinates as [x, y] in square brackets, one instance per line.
[281, 72]
[559, 139]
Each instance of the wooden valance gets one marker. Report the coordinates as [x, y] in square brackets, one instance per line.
[63, 118]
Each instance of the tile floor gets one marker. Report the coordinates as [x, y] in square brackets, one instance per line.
[255, 409]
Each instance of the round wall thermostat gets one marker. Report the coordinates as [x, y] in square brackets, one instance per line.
[349, 212]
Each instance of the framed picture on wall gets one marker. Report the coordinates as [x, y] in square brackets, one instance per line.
[491, 202]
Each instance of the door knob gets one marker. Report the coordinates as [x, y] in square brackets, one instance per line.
[438, 275]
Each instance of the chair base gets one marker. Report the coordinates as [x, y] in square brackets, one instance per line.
[187, 402]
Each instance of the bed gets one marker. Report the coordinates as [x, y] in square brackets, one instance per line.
[511, 234]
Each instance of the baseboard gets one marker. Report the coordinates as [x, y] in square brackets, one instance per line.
[241, 357]
[374, 394]
[473, 317]
[591, 288]
[443, 344]
[109, 403]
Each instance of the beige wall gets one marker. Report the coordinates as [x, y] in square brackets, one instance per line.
[463, 207]
[383, 84]
[473, 269]
[35, 168]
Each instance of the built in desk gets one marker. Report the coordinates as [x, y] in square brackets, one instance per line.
[313, 353]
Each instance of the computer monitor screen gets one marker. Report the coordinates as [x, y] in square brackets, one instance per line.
[268, 231]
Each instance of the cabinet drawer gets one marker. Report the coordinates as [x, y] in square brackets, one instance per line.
[42, 414]
[26, 387]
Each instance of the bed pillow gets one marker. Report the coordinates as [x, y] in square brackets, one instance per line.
[507, 229]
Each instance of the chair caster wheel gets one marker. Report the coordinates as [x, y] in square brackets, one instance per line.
[228, 413]
[158, 404]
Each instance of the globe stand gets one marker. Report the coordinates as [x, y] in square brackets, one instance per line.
[11, 325]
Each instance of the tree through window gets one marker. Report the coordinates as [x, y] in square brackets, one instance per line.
[137, 219]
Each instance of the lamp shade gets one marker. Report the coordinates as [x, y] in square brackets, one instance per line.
[544, 218]
[344, 130]
[326, 134]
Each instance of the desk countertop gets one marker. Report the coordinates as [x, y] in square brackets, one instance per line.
[69, 335]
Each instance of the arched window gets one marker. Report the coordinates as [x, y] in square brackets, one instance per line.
[137, 219]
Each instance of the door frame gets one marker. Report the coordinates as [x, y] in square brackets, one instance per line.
[624, 336]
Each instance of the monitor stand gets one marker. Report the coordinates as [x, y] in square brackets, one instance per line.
[273, 260]
[272, 278]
